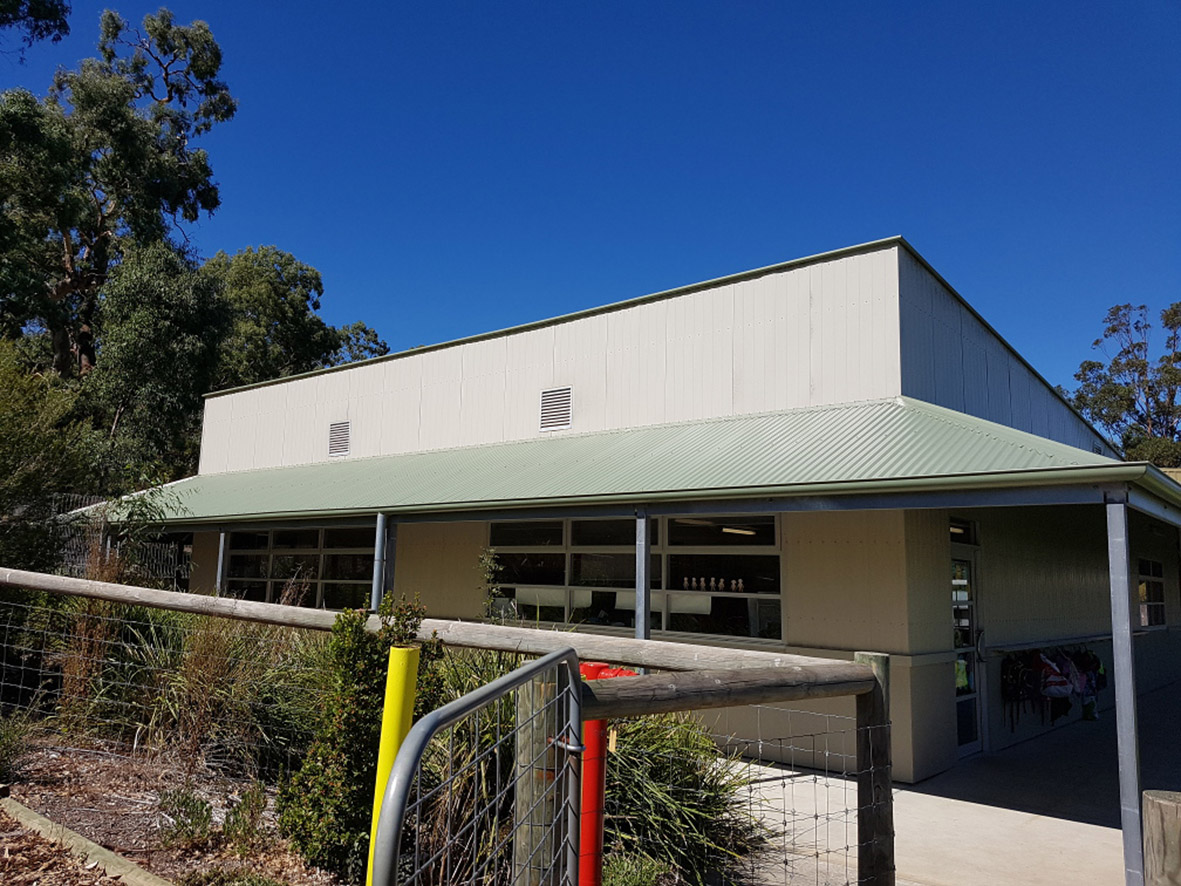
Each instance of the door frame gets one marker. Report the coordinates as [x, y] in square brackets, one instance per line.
[971, 553]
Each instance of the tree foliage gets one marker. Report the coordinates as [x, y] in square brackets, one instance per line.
[104, 160]
[163, 320]
[98, 287]
[43, 450]
[1135, 394]
[37, 19]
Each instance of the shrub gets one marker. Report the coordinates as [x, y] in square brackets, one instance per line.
[223, 877]
[243, 825]
[189, 819]
[325, 808]
[675, 811]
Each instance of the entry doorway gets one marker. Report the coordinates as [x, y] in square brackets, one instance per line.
[968, 644]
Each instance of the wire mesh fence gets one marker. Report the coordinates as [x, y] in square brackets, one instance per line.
[486, 789]
[802, 782]
[223, 694]
[756, 795]
[86, 542]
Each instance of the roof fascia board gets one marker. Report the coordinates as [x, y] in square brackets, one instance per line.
[872, 246]
[1157, 495]
[1038, 486]
[905, 244]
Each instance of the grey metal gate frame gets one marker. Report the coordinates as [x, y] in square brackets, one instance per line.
[402, 777]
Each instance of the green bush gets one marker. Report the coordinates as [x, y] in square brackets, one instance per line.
[675, 805]
[325, 808]
[222, 877]
[190, 819]
[243, 825]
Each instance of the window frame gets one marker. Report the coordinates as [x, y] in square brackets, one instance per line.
[1154, 577]
[660, 596]
[274, 585]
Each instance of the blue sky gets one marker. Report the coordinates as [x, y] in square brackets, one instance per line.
[456, 167]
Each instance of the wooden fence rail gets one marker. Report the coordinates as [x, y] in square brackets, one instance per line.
[717, 677]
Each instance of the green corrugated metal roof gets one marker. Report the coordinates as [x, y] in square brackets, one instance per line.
[900, 443]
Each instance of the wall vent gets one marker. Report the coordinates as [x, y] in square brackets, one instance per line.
[338, 438]
[557, 408]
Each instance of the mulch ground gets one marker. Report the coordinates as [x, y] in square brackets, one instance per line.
[114, 800]
[28, 859]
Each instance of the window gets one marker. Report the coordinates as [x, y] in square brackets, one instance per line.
[327, 568]
[723, 573]
[1151, 587]
[962, 532]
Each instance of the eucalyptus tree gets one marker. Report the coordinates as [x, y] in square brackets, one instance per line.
[37, 19]
[106, 159]
[1134, 394]
[275, 328]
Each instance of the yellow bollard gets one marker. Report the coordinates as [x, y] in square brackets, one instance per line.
[400, 682]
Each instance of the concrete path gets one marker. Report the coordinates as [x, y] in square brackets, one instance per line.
[1043, 812]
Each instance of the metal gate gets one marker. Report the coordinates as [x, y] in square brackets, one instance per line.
[485, 790]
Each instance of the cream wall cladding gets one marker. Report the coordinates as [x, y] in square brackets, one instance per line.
[817, 333]
[439, 563]
[1042, 573]
[951, 358]
[845, 580]
[203, 569]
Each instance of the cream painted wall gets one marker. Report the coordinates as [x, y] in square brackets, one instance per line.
[1043, 577]
[440, 563]
[952, 359]
[1042, 573]
[814, 334]
[203, 570]
[844, 575]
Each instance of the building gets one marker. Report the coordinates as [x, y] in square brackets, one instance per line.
[832, 454]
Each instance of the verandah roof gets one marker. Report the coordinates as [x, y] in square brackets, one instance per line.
[898, 444]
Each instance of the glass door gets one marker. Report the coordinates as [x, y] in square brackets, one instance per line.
[967, 636]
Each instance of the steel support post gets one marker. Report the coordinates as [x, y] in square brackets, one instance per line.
[1119, 565]
[643, 576]
[385, 546]
[219, 581]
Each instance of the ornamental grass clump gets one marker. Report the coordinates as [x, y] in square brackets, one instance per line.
[675, 799]
[676, 806]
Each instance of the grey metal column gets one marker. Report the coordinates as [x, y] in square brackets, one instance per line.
[380, 541]
[643, 576]
[1119, 566]
[219, 582]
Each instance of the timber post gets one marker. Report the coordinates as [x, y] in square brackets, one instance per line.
[875, 800]
[1162, 838]
[535, 842]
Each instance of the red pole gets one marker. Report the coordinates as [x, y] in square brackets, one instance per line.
[594, 784]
